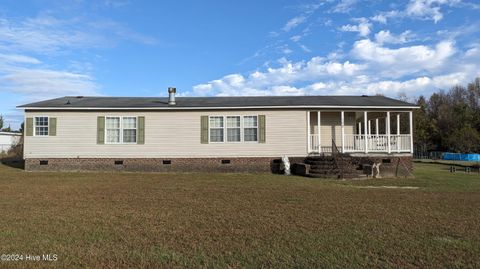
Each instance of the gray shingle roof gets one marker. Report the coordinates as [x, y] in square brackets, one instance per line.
[72, 102]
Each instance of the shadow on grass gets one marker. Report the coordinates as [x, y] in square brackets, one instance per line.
[13, 162]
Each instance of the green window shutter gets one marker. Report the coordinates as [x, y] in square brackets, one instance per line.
[141, 130]
[261, 129]
[52, 126]
[101, 130]
[29, 127]
[204, 129]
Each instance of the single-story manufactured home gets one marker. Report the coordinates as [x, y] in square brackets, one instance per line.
[232, 134]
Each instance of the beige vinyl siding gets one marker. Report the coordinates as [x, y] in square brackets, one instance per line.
[167, 135]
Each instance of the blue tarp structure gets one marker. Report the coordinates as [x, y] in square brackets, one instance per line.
[469, 157]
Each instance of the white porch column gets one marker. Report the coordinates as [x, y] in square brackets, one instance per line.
[369, 127]
[398, 132]
[319, 132]
[410, 116]
[387, 131]
[365, 123]
[342, 116]
[360, 128]
[308, 133]
[376, 126]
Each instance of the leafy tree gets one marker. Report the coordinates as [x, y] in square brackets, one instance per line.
[449, 121]
[422, 124]
[464, 140]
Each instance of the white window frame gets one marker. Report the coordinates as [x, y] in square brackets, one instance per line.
[210, 127]
[35, 126]
[136, 129]
[225, 133]
[243, 129]
[121, 131]
[225, 136]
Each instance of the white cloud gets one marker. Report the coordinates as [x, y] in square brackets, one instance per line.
[286, 50]
[428, 9]
[262, 83]
[405, 60]
[305, 48]
[16, 58]
[294, 22]
[364, 85]
[296, 38]
[388, 63]
[418, 9]
[50, 36]
[379, 18]
[375, 69]
[306, 11]
[356, 86]
[384, 16]
[42, 35]
[384, 37]
[344, 6]
[37, 84]
[287, 90]
[425, 9]
[363, 27]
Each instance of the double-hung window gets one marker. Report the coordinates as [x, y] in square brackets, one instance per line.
[250, 128]
[121, 130]
[112, 126]
[129, 125]
[41, 126]
[216, 129]
[233, 129]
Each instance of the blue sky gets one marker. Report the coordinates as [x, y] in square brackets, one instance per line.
[206, 48]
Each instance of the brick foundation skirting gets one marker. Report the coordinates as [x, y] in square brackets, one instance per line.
[231, 165]
[391, 166]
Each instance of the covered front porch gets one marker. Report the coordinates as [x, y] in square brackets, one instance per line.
[360, 131]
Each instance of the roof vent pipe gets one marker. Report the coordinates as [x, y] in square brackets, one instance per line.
[171, 96]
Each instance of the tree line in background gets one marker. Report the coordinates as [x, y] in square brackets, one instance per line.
[449, 120]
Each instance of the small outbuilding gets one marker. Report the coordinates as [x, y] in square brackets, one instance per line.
[8, 139]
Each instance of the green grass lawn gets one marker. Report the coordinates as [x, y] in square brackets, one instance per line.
[149, 220]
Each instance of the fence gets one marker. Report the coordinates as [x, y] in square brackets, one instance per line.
[421, 152]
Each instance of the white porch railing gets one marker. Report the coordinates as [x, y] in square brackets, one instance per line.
[353, 143]
[400, 143]
[375, 143]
